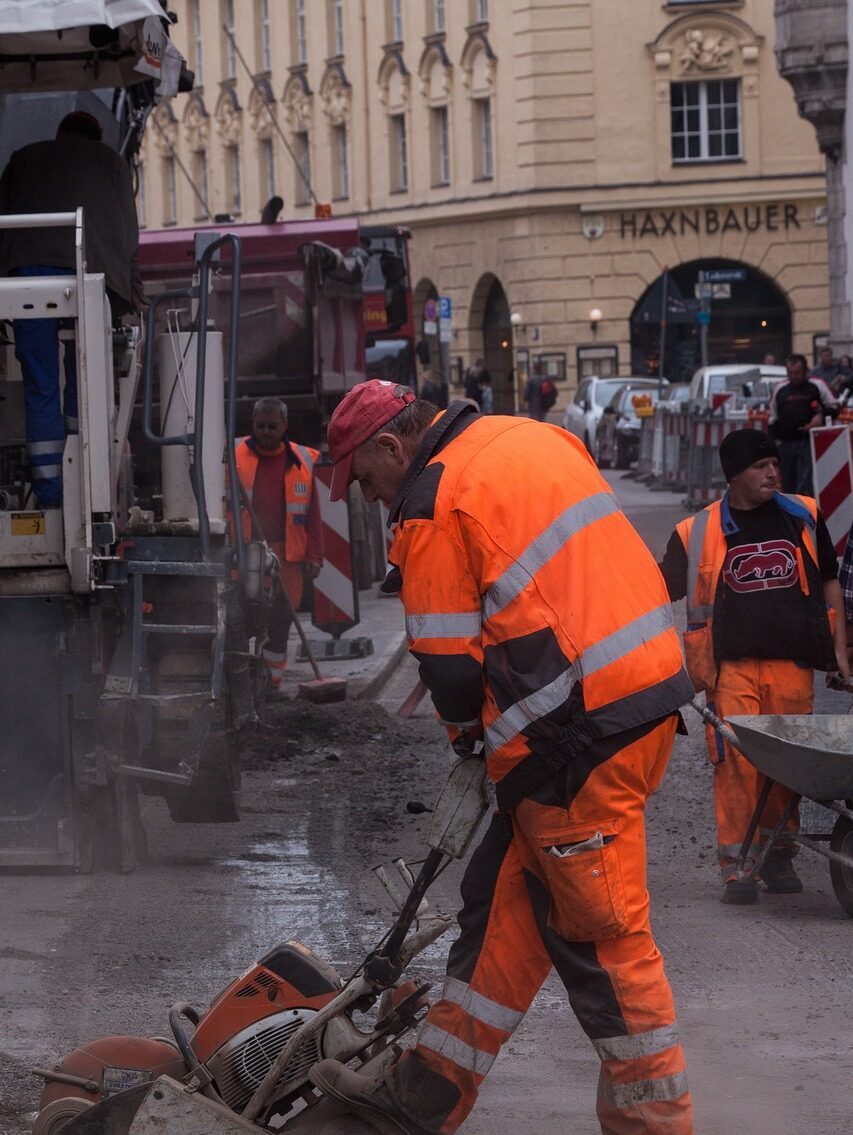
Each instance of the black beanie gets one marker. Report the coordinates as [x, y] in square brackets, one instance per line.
[742, 448]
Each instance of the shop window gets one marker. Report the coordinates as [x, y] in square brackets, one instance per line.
[399, 154]
[705, 120]
[440, 146]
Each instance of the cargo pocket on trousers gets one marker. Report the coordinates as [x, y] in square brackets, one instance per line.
[583, 874]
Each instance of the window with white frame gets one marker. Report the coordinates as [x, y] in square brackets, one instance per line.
[338, 26]
[440, 146]
[197, 43]
[396, 20]
[705, 120]
[399, 154]
[483, 144]
[230, 53]
[266, 162]
[233, 190]
[301, 149]
[170, 191]
[481, 9]
[438, 16]
[340, 162]
[301, 32]
[264, 26]
[200, 209]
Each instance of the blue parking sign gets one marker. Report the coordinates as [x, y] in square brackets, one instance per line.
[445, 307]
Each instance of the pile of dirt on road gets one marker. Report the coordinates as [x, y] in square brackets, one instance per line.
[295, 728]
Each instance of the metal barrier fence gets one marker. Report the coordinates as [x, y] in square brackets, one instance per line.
[679, 450]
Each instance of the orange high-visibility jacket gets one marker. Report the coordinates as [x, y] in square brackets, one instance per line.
[704, 541]
[531, 603]
[298, 487]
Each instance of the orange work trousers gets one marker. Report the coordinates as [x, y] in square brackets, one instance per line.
[749, 686]
[560, 882]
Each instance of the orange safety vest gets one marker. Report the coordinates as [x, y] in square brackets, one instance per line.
[705, 544]
[531, 602]
[298, 486]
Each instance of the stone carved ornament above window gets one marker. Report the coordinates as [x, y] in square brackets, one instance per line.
[718, 44]
[298, 104]
[435, 72]
[479, 65]
[336, 95]
[395, 83]
[229, 118]
[197, 124]
[165, 133]
[262, 110]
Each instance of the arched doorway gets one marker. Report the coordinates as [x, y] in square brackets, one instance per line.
[750, 318]
[490, 313]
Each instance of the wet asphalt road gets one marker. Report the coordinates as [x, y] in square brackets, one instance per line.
[764, 993]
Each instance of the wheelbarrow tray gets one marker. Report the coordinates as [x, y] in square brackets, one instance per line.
[812, 754]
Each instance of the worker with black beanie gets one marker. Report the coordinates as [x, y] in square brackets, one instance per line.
[760, 576]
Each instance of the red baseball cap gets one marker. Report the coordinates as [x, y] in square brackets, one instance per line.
[360, 413]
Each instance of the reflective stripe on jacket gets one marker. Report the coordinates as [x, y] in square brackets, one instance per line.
[298, 486]
[704, 539]
[531, 602]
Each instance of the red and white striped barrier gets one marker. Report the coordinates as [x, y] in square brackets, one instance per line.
[335, 607]
[832, 466]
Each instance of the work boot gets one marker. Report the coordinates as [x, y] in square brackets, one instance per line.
[778, 874]
[365, 1095]
[740, 892]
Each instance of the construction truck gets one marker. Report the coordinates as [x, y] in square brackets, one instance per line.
[126, 614]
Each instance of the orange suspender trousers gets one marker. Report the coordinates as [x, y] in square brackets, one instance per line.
[536, 611]
[744, 686]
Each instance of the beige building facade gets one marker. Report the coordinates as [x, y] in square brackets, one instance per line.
[553, 161]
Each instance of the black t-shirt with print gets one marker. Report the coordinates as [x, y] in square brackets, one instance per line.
[761, 609]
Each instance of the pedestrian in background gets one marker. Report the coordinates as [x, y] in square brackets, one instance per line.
[278, 478]
[844, 382]
[798, 406]
[759, 571]
[474, 376]
[543, 631]
[827, 368]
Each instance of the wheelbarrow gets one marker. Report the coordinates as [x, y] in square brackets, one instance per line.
[812, 755]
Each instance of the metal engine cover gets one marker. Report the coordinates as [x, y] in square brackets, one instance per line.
[242, 1062]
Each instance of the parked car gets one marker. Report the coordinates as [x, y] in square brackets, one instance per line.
[618, 432]
[736, 378]
[584, 411]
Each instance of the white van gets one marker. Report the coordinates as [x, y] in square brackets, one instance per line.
[736, 378]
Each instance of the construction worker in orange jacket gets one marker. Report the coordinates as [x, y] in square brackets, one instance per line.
[278, 478]
[760, 575]
[543, 631]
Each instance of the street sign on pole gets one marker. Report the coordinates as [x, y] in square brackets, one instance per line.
[445, 319]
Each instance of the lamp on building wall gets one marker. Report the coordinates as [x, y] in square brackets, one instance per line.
[517, 321]
[594, 320]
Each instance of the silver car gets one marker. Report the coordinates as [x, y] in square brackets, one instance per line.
[584, 411]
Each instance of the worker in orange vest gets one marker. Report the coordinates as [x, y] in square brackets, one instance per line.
[760, 575]
[278, 478]
[544, 634]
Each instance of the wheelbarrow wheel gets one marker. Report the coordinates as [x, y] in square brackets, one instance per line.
[842, 875]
